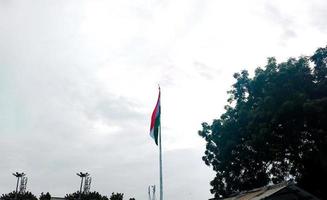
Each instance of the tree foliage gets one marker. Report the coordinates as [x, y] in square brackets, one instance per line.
[274, 128]
[86, 196]
[117, 196]
[45, 196]
[20, 196]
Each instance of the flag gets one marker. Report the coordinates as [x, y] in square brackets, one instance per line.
[155, 121]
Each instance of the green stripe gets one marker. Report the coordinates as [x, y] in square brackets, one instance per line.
[156, 129]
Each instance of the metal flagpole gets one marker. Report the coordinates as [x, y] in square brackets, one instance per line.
[160, 158]
[160, 155]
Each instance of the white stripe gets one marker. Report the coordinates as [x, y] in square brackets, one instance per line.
[152, 133]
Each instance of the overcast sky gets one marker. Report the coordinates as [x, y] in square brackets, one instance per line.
[78, 83]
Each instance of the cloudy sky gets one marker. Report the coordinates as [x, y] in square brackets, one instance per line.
[78, 82]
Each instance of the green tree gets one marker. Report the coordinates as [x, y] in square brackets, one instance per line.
[274, 128]
[117, 196]
[20, 196]
[87, 196]
[45, 196]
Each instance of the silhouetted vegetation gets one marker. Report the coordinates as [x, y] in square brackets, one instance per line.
[20, 196]
[45, 196]
[86, 196]
[274, 128]
[117, 196]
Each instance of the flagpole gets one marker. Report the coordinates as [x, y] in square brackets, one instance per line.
[160, 163]
[160, 153]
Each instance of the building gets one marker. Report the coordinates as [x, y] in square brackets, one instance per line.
[283, 191]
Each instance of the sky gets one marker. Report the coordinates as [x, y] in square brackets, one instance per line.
[79, 80]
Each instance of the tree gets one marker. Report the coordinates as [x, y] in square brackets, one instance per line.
[117, 196]
[46, 196]
[20, 196]
[86, 196]
[273, 129]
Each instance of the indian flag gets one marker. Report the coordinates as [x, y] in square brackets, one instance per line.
[155, 121]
